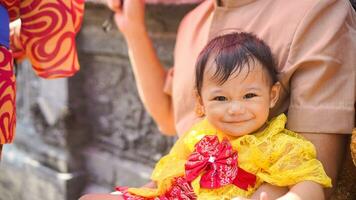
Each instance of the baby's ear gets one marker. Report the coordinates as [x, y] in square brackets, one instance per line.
[274, 95]
[199, 106]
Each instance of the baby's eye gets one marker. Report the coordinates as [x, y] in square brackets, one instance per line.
[219, 98]
[250, 95]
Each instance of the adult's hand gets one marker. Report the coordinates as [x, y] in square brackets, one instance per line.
[129, 16]
[263, 196]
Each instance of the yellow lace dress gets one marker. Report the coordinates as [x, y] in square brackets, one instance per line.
[275, 155]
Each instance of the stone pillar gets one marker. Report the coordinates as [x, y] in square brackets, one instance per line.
[42, 163]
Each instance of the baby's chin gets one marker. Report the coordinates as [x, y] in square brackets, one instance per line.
[237, 129]
[234, 133]
[238, 132]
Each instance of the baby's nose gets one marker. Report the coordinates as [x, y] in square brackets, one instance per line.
[236, 107]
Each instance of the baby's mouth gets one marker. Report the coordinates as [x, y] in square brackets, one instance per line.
[236, 121]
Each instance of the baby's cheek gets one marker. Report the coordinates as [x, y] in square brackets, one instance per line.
[216, 113]
[263, 116]
[214, 118]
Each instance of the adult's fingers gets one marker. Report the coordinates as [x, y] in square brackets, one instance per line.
[114, 5]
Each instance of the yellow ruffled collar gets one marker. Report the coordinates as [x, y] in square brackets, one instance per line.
[203, 128]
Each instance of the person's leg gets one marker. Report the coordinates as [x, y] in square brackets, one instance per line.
[101, 197]
[0, 151]
[330, 150]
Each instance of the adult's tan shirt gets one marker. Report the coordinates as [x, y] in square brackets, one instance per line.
[314, 43]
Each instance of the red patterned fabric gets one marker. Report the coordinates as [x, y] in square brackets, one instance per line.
[7, 97]
[217, 162]
[244, 179]
[126, 195]
[77, 14]
[180, 190]
[47, 36]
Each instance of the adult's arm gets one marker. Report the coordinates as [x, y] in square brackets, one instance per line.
[323, 84]
[149, 73]
[271, 192]
[306, 190]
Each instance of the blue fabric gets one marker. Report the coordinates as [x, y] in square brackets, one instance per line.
[4, 27]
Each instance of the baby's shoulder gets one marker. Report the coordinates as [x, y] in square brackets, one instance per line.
[289, 142]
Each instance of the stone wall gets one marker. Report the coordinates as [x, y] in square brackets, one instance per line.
[124, 138]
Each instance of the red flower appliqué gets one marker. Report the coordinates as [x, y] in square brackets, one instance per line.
[218, 164]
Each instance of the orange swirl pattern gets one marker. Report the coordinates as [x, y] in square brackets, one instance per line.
[13, 8]
[48, 35]
[78, 11]
[7, 97]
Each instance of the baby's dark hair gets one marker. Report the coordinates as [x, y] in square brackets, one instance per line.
[231, 52]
